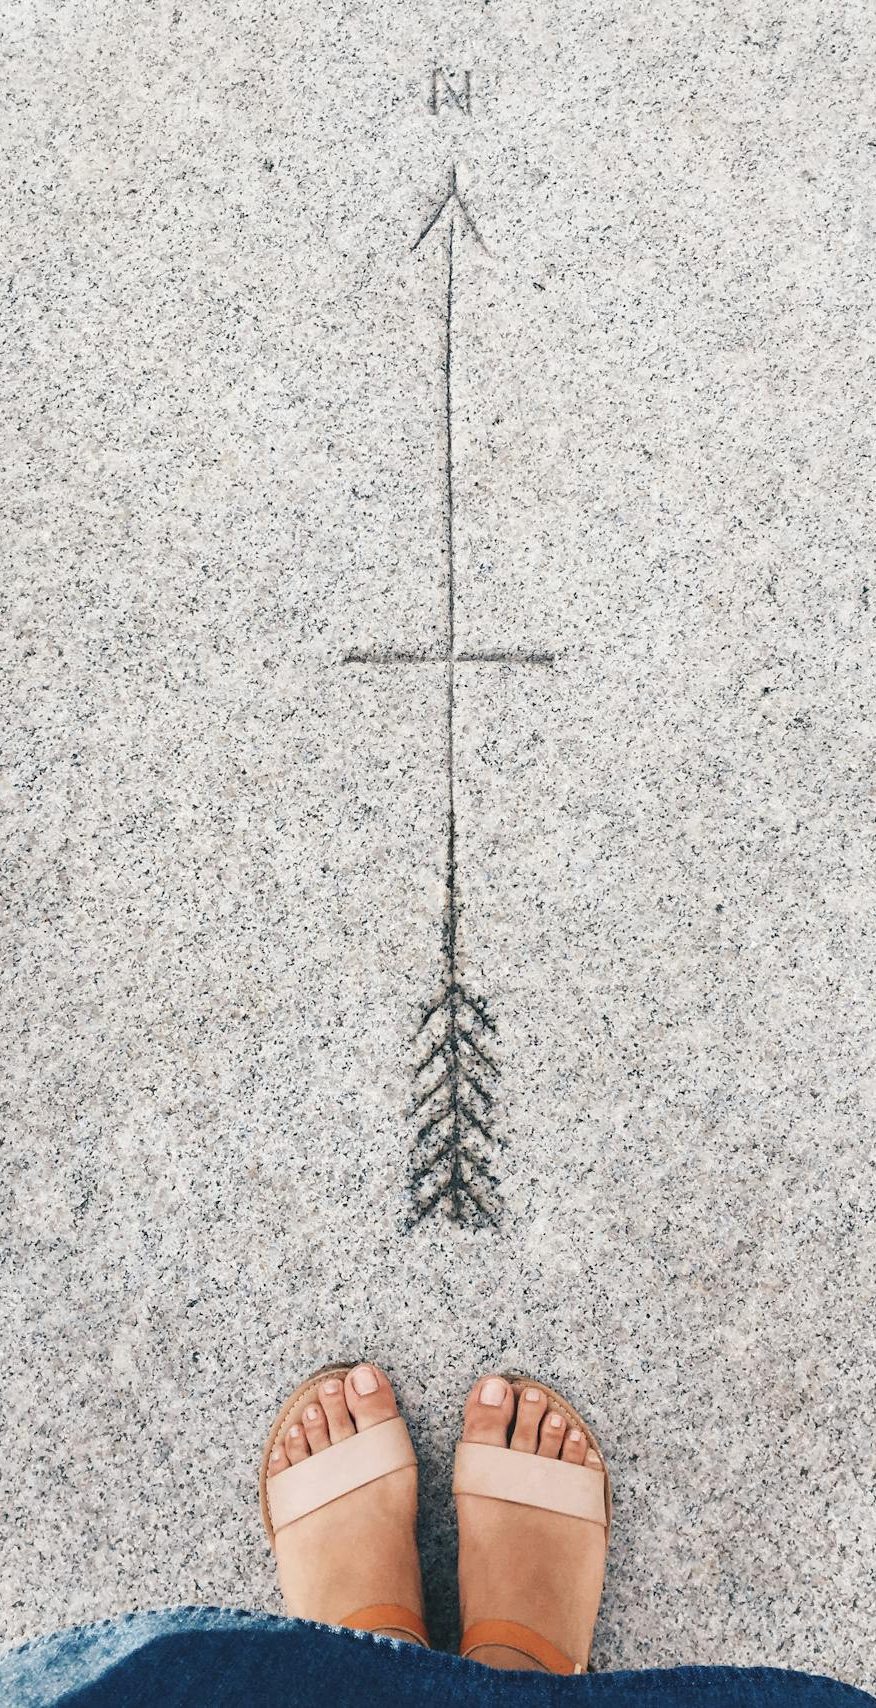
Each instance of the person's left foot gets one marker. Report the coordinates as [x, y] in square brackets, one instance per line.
[361, 1549]
[540, 1569]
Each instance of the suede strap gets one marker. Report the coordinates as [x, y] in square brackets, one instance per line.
[526, 1479]
[345, 1466]
[507, 1634]
[387, 1617]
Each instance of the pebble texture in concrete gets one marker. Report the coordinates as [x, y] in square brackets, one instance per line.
[225, 850]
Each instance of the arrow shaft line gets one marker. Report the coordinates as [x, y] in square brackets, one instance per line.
[447, 1158]
[448, 427]
[451, 598]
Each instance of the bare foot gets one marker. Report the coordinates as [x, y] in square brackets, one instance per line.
[542, 1569]
[361, 1549]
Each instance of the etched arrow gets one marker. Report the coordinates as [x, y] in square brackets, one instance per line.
[456, 1144]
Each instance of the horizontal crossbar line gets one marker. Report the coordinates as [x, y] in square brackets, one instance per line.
[547, 658]
[506, 658]
[393, 658]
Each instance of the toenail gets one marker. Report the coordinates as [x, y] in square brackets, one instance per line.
[556, 1420]
[275, 1455]
[574, 1435]
[312, 1413]
[364, 1380]
[332, 1387]
[295, 1431]
[493, 1391]
[532, 1394]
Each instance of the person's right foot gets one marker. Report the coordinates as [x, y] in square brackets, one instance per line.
[360, 1549]
[541, 1569]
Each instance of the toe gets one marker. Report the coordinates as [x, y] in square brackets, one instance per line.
[315, 1427]
[550, 1438]
[531, 1408]
[340, 1423]
[593, 1460]
[369, 1396]
[574, 1447]
[295, 1445]
[277, 1459]
[488, 1412]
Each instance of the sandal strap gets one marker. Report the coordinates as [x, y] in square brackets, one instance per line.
[527, 1480]
[507, 1634]
[347, 1465]
[387, 1615]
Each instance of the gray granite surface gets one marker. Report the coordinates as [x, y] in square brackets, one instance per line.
[223, 853]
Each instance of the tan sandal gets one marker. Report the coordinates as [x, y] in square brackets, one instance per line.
[552, 1484]
[327, 1476]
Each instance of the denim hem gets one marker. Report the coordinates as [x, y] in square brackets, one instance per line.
[234, 1657]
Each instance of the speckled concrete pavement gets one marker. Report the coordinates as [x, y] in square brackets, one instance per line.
[226, 849]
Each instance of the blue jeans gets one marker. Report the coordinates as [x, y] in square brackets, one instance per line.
[211, 1657]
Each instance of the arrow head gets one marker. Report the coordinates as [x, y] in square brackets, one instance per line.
[454, 201]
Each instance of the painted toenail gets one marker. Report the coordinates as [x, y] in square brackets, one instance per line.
[574, 1435]
[364, 1380]
[532, 1394]
[295, 1431]
[312, 1413]
[493, 1391]
[556, 1420]
[275, 1455]
[332, 1387]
